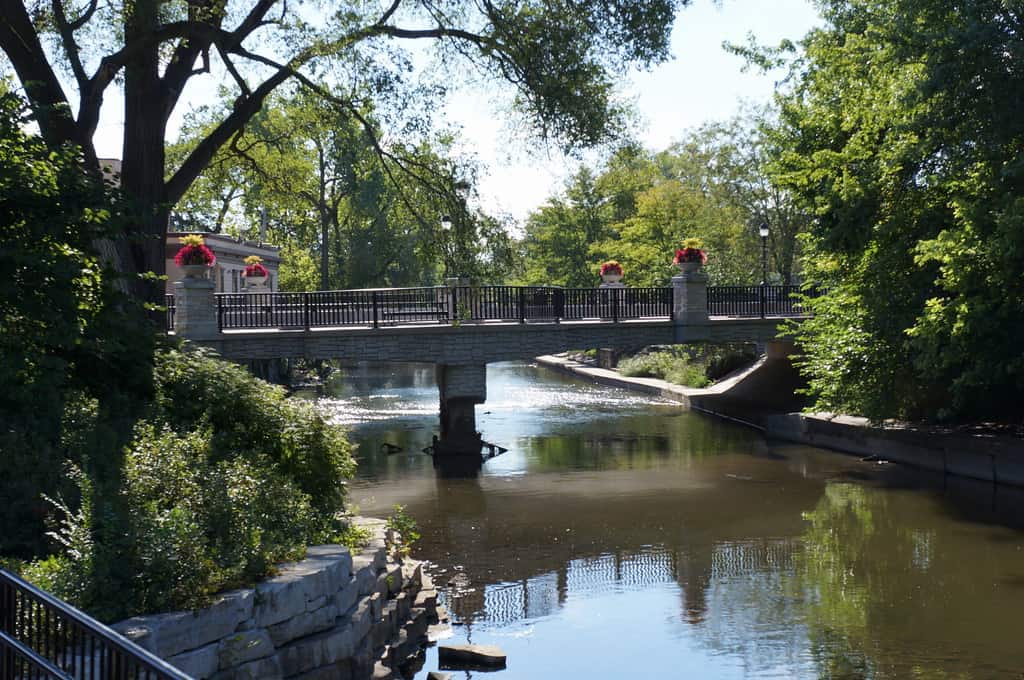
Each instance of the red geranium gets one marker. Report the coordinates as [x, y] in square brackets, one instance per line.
[194, 251]
[690, 252]
[611, 267]
[256, 269]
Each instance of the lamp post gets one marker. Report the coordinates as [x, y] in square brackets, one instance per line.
[446, 228]
[763, 231]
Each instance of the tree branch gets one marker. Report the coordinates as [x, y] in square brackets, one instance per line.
[67, 38]
[20, 42]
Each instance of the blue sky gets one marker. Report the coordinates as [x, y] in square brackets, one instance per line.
[702, 83]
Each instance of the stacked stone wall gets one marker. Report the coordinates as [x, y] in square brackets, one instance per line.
[333, 615]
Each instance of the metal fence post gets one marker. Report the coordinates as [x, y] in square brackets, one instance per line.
[762, 299]
[373, 298]
[306, 308]
[615, 304]
[522, 305]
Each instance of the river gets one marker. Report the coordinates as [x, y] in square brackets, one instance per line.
[622, 537]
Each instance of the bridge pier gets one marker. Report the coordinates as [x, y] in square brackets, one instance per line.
[461, 387]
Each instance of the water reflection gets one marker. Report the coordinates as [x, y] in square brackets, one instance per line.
[620, 537]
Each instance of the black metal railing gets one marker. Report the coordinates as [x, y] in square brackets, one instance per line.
[389, 306]
[42, 637]
[438, 304]
[754, 301]
[169, 302]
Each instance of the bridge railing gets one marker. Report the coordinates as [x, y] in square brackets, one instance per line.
[387, 306]
[332, 308]
[754, 301]
[439, 304]
[43, 637]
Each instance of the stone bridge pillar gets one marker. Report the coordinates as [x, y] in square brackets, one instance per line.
[195, 310]
[690, 305]
[461, 388]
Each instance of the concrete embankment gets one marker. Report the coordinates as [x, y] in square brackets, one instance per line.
[763, 396]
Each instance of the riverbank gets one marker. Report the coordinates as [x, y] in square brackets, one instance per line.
[761, 397]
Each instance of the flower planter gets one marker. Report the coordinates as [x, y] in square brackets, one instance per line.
[254, 281]
[686, 267]
[195, 271]
[611, 278]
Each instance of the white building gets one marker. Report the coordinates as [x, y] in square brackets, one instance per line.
[231, 253]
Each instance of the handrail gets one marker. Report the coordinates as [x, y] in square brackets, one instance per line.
[40, 630]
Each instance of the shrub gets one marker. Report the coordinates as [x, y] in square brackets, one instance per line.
[690, 365]
[224, 478]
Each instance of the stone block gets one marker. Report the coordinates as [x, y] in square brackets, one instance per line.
[366, 579]
[412, 573]
[240, 648]
[346, 597]
[470, 656]
[171, 634]
[427, 599]
[303, 624]
[299, 587]
[261, 669]
[342, 670]
[197, 663]
[317, 650]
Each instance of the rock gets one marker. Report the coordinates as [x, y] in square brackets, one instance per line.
[302, 625]
[439, 675]
[243, 647]
[197, 663]
[173, 633]
[459, 657]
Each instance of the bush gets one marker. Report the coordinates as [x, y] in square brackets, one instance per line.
[671, 366]
[689, 365]
[223, 479]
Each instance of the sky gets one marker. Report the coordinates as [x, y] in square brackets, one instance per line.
[701, 83]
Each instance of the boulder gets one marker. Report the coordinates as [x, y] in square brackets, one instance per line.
[458, 657]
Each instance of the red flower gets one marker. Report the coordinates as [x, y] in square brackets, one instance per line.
[611, 267]
[256, 269]
[690, 255]
[195, 255]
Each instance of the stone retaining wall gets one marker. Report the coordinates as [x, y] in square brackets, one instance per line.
[333, 615]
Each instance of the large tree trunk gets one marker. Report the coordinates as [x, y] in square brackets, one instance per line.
[142, 170]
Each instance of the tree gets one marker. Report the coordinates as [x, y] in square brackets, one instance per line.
[559, 235]
[903, 133]
[371, 215]
[559, 57]
[74, 351]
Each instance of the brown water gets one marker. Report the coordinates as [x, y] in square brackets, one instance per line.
[621, 537]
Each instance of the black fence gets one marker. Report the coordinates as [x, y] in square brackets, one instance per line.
[370, 307]
[537, 303]
[42, 638]
[754, 301]
[391, 306]
[438, 304]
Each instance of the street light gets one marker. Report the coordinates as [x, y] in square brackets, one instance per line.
[763, 231]
[446, 228]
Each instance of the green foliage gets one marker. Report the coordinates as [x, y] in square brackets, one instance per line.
[713, 185]
[903, 132]
[674, 367]
[405, 526]
[224, 478]
[74, 350]
[690, 365]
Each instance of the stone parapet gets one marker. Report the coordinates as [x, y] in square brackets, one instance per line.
[334, 614]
